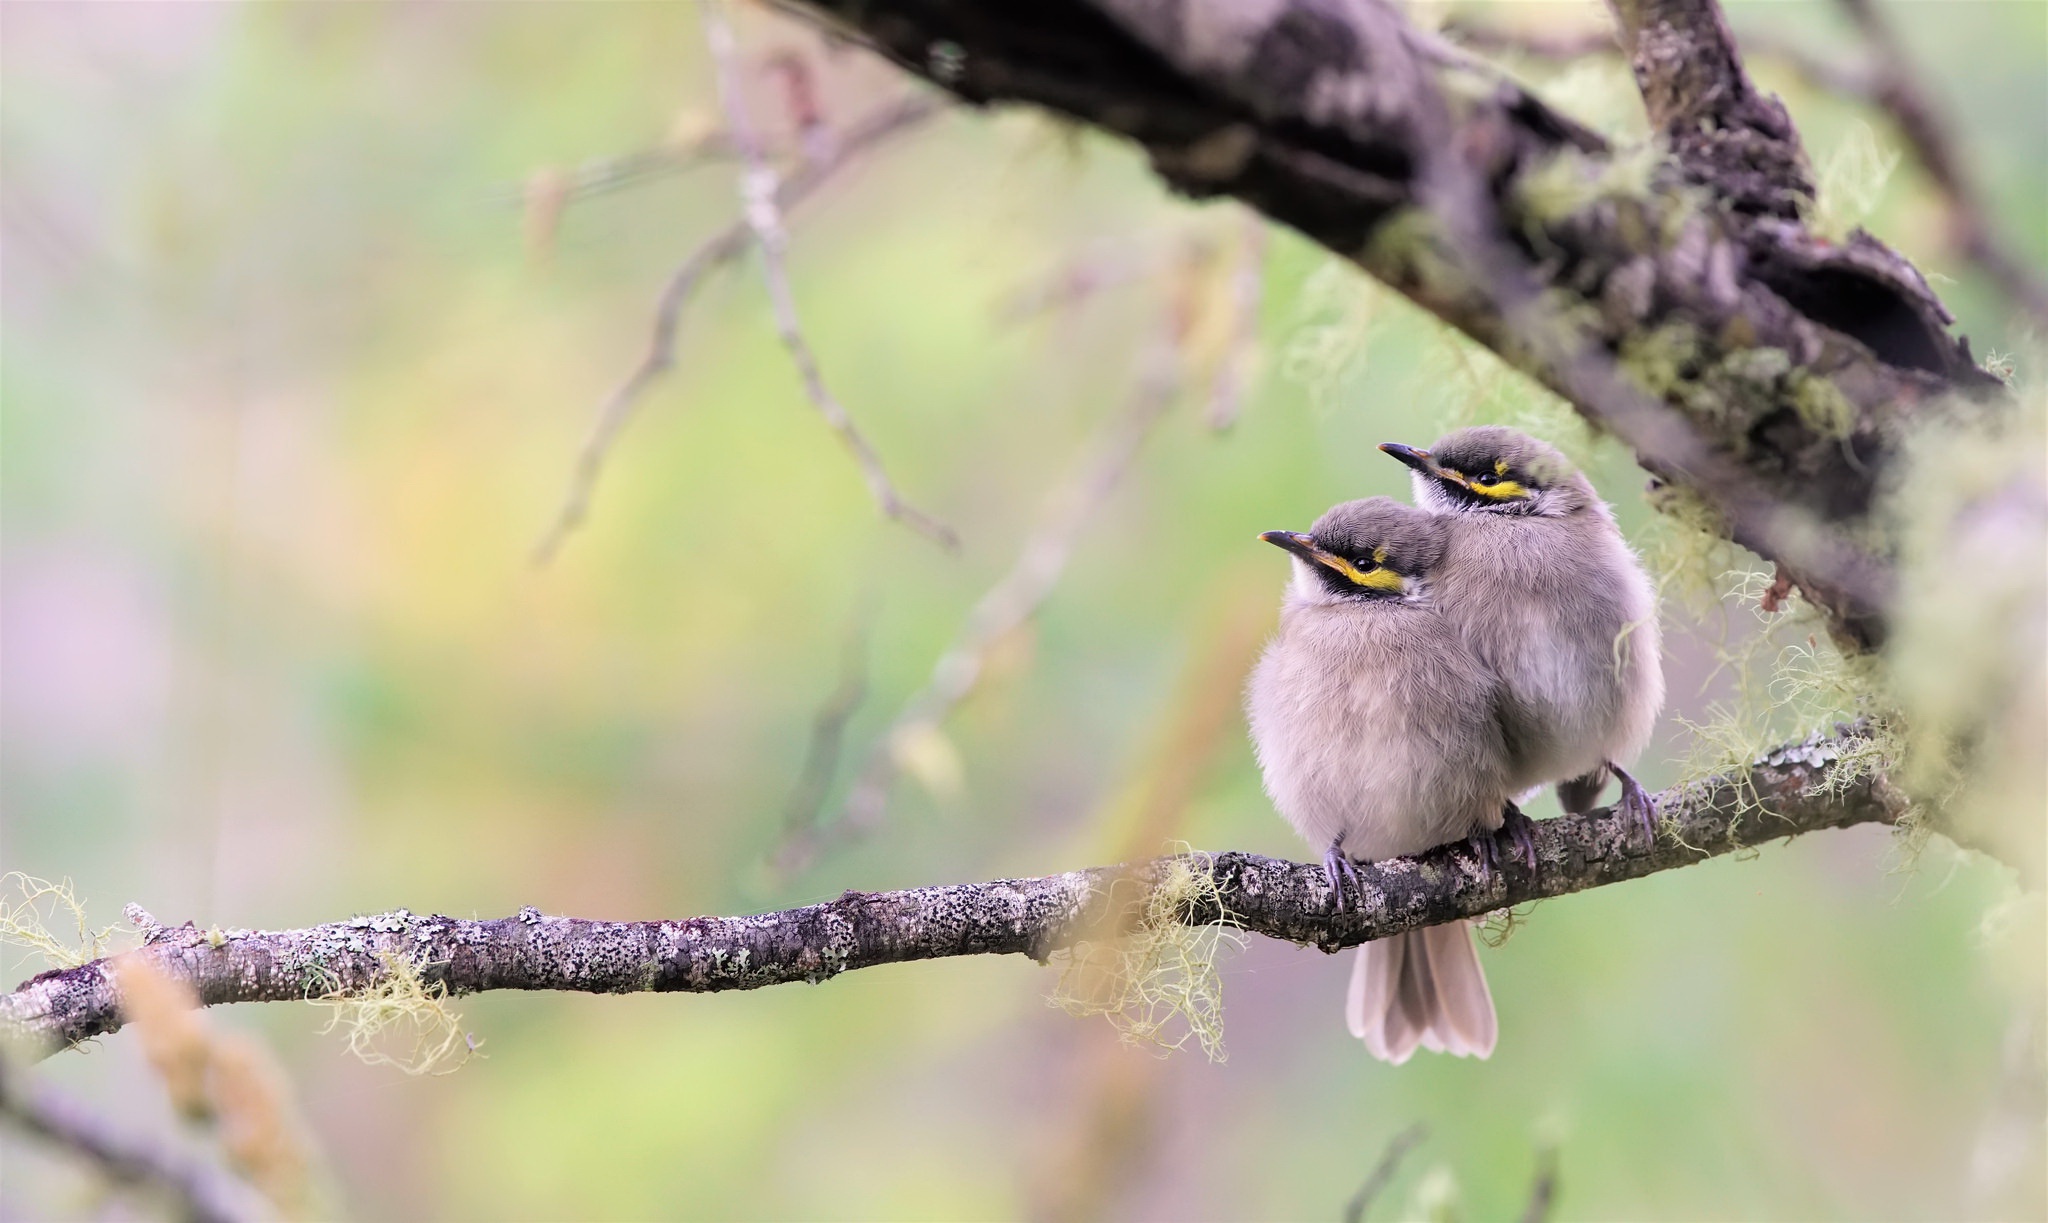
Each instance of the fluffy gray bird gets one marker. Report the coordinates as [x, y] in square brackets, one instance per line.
[1539, 580]
[1378, 730]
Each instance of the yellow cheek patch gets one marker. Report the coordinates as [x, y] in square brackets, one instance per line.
[1351, 572]
[1503, 490]
[1377, 579]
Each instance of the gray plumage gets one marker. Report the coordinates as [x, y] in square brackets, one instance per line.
[1539, 580]
[1378, 732]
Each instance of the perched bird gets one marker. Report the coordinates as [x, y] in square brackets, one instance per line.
[1378, 731]
[1539, 580]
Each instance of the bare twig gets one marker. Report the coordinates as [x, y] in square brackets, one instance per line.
[1092, 272]
[203, 1193]
[1543, 1190]
[601, 175]
[1383, 1170]
[1014, 599]
[715, 252]
[828, 730]
[759, 187]
[1565, 46]
[1897, 89]
[1802, 787]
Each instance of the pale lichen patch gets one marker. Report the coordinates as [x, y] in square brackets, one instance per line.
[1155, 978]
[401, 1020]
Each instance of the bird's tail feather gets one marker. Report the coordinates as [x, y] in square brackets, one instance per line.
[1423, 988]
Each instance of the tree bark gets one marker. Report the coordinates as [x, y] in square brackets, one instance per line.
[1803, 787]
[1796, 359]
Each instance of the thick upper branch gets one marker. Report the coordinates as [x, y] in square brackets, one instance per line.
[1800, 788]
[1793, 357]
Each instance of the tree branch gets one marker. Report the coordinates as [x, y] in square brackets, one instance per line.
[1800, 788]
[203, 1193]
[1792, 357]
[713, 253]
[1723, 132]
[759, 186]
[1882, 78]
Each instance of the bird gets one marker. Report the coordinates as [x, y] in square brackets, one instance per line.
[1377, 729]
[1539, 580]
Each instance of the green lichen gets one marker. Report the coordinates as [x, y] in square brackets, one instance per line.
[1821, 404]
[1969, 642]
[1407, 249]
[401, 1020]
[1156, 979]
[1568, 182]
[1790, 681]
[1851, 182]
[29, 906]
[1662, 358]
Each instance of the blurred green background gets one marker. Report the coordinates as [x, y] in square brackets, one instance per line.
[293, 382]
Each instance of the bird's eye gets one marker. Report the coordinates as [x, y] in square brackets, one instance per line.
[1486, 477]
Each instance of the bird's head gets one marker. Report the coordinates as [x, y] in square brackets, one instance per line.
[1375, 549]
[1496, 470]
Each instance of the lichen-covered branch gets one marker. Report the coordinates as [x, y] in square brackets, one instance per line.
[1822, 782]
[1724, 133]
[1795, 358]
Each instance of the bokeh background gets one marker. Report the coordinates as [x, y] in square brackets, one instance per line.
[298, 354]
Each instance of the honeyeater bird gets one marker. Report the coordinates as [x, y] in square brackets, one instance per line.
[1378, 730]
[1540, 582]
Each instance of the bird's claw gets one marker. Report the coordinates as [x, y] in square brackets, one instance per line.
[1521, 832]
[1637, 804]
[1341, 869]
[1485, 854]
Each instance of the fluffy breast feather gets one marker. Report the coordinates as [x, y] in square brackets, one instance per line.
[1562, 611]
[1378, 724]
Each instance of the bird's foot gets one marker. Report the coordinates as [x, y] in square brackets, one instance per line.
[1341, 869]
[1521, 832]
[1637, 804]
[1485, 854]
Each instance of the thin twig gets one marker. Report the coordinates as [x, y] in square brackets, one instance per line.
[759, 188]
[1383, 1172]
[1543, 1191]
[1017, 595]
[828, 730]
[715, 252]
[601, 175]
[1095, 271]
[203, 1193]
[1897, 90]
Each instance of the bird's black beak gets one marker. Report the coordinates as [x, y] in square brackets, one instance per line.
[1418, 459]
[1303, 546]
[1422, 461]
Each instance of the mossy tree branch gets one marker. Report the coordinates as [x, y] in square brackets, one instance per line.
[1803, 787]
[1796, 359]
